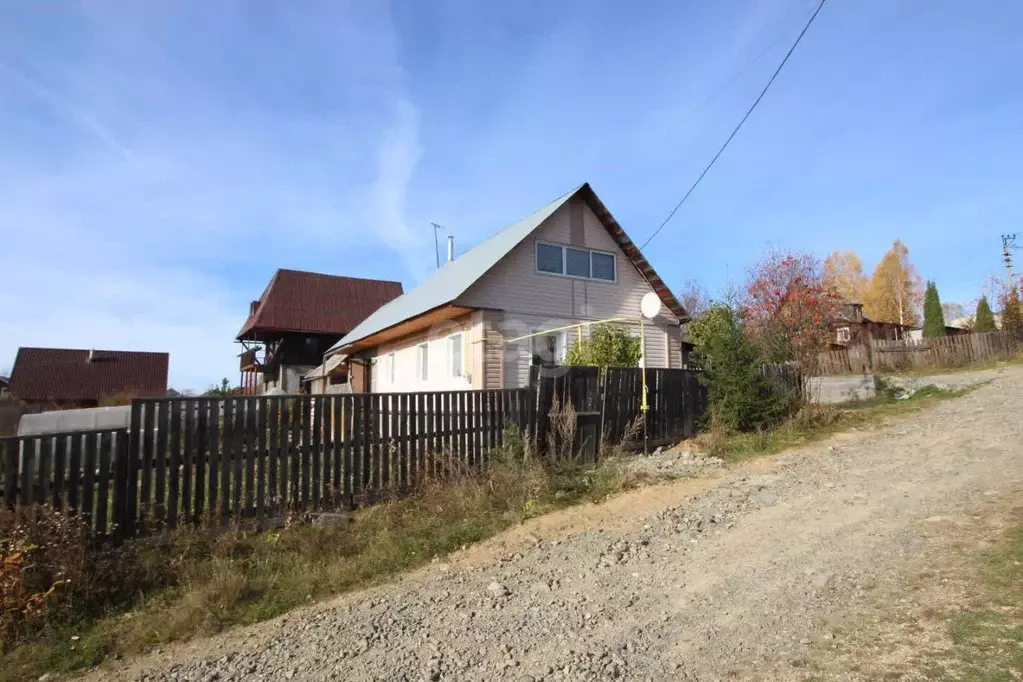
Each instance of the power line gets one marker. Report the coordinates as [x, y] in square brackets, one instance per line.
[736, 130]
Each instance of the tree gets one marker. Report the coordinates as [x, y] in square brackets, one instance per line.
[984, 319]
[1012, 317]
[694, 298]
[934, 319]
[608, 345]
[788, 309]
[738, 395]
[223, 390]
[895, 290]
[843, 272]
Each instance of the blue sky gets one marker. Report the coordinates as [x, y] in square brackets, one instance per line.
[159, 160]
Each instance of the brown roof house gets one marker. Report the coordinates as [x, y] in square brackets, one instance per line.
[299, 316]
[71, 377]
[852, 328]
[516, 300]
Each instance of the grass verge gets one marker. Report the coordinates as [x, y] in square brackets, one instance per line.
[987, 639]
[238, 578]
[815, 422]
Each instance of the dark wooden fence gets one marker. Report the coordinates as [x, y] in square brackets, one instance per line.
[216, 461]
[608, 406]
[81, 471]
[254, 459]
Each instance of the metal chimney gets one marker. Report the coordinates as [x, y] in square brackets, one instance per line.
[451, 247]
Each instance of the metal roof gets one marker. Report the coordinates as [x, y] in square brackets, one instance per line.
[79, 374]
[452, 279]
[312, 302]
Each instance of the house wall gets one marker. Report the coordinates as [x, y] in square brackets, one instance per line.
[439, 375]
[521, 300]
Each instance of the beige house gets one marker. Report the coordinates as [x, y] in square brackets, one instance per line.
[567, 263]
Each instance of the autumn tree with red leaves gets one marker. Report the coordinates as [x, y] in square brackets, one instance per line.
[788, 308]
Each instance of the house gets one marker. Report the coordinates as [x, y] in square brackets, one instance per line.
[299, 316]
[852, 328]
[67, 377]
[5, 385]
[567, 263]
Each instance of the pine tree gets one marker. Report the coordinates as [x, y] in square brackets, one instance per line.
[983, 319]
[1012, 318]
[934, 319]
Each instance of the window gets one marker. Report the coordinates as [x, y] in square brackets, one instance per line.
[549, 258]
[603, 266]
[390, 367]
[843, 335]
[422, 361]
[548, 349]
[455, 353]
[569, 261]
[577, 262]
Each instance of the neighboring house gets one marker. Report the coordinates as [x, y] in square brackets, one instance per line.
[568, 262]
[852, 328]
[5, 385]
[66, 377]
[299, 316]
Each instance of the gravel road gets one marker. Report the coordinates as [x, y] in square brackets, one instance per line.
[725, 577]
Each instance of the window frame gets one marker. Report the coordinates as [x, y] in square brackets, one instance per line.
[457, 370]
[423, 361]
[564, 262]
[847, 334]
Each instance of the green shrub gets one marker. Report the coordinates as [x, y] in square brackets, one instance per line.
[740, 399]
[608, 345]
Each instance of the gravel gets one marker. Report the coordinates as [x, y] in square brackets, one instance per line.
[734, 581]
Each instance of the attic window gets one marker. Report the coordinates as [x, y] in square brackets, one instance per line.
[568, 261]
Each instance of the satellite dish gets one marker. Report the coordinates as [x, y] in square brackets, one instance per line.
[650, 306]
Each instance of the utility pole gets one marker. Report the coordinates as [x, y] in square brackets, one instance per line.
[1008, 242]
[436, 243]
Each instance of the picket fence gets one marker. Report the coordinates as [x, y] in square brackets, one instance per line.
[257, 459]
[908, 354]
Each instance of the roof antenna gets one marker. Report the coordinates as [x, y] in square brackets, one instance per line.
[436, 242]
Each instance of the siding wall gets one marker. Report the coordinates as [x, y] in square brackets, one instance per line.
[522, 300]
[439, 376]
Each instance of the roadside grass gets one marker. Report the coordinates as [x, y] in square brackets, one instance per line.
[238, 578]
[816, 422]
[987, 639]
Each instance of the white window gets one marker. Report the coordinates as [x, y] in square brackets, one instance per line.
[603, 266]
[577, 262]
[555, 259]
[843, 335]
[547, 349]
[550, 258]
[422, 361]
[455, 354]
[390, 367]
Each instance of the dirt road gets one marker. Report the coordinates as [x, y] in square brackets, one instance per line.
[730, 577]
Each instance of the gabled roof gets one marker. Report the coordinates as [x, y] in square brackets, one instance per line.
[297, 301]
[452, 279]
[70, 374]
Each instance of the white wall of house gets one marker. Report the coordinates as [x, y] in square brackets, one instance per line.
[446, 368]
[523, 300]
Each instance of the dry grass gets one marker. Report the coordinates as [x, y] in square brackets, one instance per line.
[815, 422]
[240, 577]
